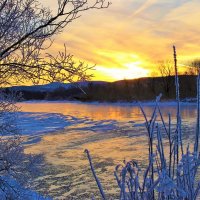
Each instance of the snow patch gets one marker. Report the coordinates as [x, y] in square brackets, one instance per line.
[13, 190]
[34, 124]
[37, 123]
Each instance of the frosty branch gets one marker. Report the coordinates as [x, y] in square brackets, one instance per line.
[27, 28]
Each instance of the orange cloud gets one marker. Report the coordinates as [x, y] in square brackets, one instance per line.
[125, 40]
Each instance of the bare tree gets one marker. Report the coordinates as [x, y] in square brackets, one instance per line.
[16, 168]
[193, 68]
[191, 71]
[166, 71]
[26, 31]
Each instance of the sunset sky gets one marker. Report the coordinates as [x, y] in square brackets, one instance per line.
[128, 38]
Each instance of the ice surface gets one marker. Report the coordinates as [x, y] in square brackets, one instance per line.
[37, 123]
[40, 123]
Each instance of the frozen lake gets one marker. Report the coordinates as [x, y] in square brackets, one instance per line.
[112, 132]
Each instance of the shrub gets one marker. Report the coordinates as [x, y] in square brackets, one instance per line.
[172, 175]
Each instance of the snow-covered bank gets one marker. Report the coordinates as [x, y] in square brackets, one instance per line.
[19, 192]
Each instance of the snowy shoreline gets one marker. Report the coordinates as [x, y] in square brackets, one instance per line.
[120, 103]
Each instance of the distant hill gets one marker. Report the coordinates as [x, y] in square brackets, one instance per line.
[53, 86]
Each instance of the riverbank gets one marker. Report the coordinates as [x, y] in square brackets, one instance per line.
[187, 101]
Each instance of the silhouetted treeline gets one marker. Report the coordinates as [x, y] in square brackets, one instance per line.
[124, 90]
[142, 89]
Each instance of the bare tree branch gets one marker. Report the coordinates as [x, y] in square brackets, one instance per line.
[25, 28]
